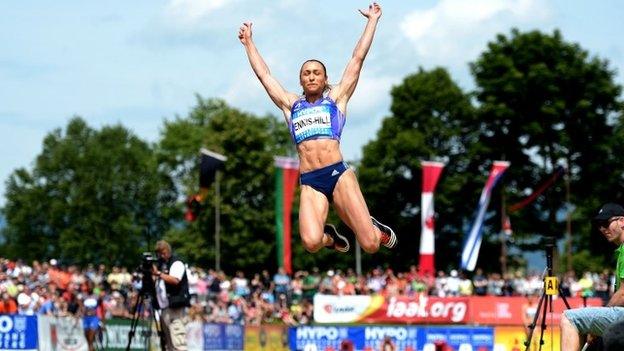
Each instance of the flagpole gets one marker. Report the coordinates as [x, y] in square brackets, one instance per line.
[568, 220]
[358, 259]
[503, 236]
[210, 164]
[218, 222]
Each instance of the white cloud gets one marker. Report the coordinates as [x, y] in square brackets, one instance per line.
[190, 12]
[244, 90]
[371, 96]
[456, 30]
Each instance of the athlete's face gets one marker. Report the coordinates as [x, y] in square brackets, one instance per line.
[313, 78]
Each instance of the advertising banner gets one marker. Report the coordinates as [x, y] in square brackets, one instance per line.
[61, 334]
[513, 338]
[117, 335]
[421, 309]
[458, 338]
[399, 309]
[18, 332]
[517, 310]
[195, 336]
[409, 338]
[266, 338]
[224, 337]
[325, 338]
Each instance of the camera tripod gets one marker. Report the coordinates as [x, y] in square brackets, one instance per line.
[551, 287]
[146, 293]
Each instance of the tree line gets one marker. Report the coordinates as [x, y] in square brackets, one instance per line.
[539, 102]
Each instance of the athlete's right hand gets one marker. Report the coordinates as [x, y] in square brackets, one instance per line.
[244, 33]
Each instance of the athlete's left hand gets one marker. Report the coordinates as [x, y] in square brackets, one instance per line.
[374, 11]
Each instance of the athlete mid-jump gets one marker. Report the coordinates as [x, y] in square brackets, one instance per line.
[315, 120]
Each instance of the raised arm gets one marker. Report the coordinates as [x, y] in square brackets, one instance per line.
[342, 92]
[280, 97]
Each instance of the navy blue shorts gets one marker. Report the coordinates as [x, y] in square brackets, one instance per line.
[324, 179]
[90, 322]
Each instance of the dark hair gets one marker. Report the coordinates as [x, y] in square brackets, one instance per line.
[613, 337]
[313, 60]
[327, 85]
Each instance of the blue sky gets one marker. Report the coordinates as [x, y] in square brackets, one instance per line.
[140, 62]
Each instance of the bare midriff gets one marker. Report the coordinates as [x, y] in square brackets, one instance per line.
[318, 153]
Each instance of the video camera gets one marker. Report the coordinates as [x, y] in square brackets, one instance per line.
[147, 262]
[143, 273]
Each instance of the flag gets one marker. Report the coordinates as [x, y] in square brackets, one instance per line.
[193, 207]
[286, 176]
[430, 173]
[210, 163]
[559, 171]
[472, 244]
[507, 225]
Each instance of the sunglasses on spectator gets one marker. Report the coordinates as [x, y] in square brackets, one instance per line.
[607, 223]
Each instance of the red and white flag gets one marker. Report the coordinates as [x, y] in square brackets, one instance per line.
[431, 174]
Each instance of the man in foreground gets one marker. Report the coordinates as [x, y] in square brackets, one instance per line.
[590, 322]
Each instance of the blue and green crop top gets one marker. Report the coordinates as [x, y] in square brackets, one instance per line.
[318, 120]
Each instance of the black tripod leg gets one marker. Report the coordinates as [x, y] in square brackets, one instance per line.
[548, 302]
[159, 330]
[135, 320]
[565, 300]
[532, 325]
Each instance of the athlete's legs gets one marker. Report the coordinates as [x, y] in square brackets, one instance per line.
[90, 336]
[351, 207]
[313, 208]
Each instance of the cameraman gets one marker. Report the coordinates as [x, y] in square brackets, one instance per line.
[173, 295]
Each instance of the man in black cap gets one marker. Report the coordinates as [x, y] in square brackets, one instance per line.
[592, 321]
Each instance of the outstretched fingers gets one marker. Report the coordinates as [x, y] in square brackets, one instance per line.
[374, 11]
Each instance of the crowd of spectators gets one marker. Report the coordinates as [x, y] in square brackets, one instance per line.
[48, 288]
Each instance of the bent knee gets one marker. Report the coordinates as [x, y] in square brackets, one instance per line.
[311, 244]
[565, 323]
[370, 245]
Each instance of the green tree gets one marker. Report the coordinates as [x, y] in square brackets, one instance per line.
[544, 102]
[429, 115]
[92, 196]
[247, 183]
[541, 102]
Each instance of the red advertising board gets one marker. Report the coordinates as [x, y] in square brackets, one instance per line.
[516, 310]
[422, 309]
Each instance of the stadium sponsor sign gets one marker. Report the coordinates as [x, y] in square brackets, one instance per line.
[485, 310]
[224, 337]
[398, 309]
[412, 338]
[18, 332]
[317, 337]
[266, 337]
[519, 310]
